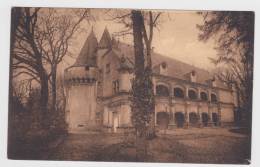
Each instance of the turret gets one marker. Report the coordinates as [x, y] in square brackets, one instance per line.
[81, 85]
[105, 41]
[125, 75]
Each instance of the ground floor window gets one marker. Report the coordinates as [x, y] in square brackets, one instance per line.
[162, 120]
[179, 119]
[193, 118]
[215, 119]
[205, 119]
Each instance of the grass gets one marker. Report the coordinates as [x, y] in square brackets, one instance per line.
[207, 145]
[193, 145]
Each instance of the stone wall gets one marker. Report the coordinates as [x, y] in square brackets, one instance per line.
[81, 106]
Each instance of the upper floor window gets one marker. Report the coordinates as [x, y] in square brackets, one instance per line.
[203, 96]
[87, 68]
[213, 97]
[192, 94]
[164, 65]
[116, 86]
[162, 90]
[108, 68]
[178, 92]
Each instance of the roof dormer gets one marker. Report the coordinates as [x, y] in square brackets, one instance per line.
[163, 68]
[214, 81]
[193, 76]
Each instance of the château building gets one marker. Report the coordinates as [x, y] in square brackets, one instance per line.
[98, 90]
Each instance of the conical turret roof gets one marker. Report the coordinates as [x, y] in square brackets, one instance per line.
[105, 41]
[87, 55]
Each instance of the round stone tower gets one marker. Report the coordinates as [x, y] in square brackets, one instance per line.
[81, 88]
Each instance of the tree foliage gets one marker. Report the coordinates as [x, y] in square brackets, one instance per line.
[27, 59]
[141, 25]
[234, 34]
[41, 40]
[55, 30]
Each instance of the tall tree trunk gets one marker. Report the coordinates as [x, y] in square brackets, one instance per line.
[54, 88]
[44, 99]
[148, 75]
[138, 112]
[151, 131]
[15, 16]
[137, 19]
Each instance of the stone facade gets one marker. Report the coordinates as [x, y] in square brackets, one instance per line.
[98, 90]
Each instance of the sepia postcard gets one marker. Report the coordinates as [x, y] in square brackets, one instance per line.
[131, 85]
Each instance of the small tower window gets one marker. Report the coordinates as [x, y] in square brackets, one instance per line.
[87, 68]
[108, 68]
[116, 86]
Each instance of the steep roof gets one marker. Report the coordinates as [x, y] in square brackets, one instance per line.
[176, 68]
[105, 41]
[87, 55]
[125, 53]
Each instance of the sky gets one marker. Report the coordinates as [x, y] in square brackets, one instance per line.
[177, 37]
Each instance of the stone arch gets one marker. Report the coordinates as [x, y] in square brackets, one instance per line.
[179, 119]
[179, 91]
[162, 90]
[192, 93]
[162, 120]
[163, 83]
[204, 95]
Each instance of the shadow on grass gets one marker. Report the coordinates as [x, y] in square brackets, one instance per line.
[245, 131]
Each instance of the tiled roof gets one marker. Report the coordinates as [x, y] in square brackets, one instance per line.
[125, 52]
[87, 55]
[176, 68]
[105, 41]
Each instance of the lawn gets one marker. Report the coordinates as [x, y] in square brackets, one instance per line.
[206, 145]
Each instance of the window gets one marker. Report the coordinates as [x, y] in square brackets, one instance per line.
[162, 90]
[193, 118]
[164, 65]
[116, 86]
[178, 92]
[192, 94]
[87, 68]
[108, 68]
[213, 97]
[203, 96]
